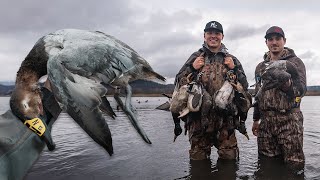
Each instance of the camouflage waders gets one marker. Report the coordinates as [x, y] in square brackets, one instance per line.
[207, 128]
[281, 134]
[202, 140]
[281, 128]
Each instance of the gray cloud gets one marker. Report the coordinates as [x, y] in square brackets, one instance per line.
[164, 39]
[45, 15]
[163, 32]
[311, 61]
[307, 55]
[239, 31]
[160, 35]
[160, 30]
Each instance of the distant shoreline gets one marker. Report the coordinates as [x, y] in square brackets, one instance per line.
[313, 93]
[141, 88]
[144, 95]
[133, 95]
[309, 93]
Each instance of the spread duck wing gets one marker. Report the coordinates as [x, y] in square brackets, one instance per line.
[80, 97]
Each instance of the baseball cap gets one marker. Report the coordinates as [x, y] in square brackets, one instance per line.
[274, 30]
[213, 25]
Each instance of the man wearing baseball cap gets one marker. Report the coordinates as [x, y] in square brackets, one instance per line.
[280, 85]
[274, 30]
[210, 66]
[213, 26]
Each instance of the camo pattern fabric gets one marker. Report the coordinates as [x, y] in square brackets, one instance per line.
[201, 140]
[213, 76]
[282, 135]
[275, 98]
[213, 129]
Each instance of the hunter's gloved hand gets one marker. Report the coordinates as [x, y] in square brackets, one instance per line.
[228, 61]
[177, 129]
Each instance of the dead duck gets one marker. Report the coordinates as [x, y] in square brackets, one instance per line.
[219, 94]
[186, 98]
[276, 74]
[79, 64]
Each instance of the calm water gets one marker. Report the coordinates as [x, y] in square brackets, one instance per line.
[78, 157]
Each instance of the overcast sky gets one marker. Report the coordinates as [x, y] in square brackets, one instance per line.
[165, 32]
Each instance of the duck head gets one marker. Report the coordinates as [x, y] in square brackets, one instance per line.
[25, 101]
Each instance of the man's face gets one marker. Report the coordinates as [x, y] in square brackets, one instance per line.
[213, 38]
[275, 43]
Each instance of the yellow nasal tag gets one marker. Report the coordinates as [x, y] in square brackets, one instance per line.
[36, 125]
[298, 99]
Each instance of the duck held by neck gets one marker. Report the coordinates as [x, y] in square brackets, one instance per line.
[25, 101]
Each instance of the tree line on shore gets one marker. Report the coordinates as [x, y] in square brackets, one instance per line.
[142, 87]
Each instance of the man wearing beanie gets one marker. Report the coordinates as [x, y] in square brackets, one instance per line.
[280, 85]
[210, 67]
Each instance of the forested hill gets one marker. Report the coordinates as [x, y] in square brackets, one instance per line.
[141, 87]
[5, 90]
[138, 87]
[313, 91]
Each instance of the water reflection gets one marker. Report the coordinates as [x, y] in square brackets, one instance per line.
[79, 157]
[267, 169]
[275, 168]
[223, 169]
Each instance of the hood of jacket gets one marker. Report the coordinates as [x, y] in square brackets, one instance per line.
[285, 54]
[223, 49]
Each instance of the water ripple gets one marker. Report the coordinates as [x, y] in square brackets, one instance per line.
[77, 156]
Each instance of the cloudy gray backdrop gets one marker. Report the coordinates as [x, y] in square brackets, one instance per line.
[165, 32]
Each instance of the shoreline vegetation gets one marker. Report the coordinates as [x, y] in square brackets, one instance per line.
[143, 88]
[309, 93]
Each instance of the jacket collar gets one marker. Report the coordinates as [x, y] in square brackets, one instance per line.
[222, 49]
[285, 54]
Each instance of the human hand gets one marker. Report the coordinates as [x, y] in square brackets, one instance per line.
[198, 62]
[255, 127]
[229, 62]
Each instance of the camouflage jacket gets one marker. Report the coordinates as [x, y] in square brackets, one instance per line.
[275, 99]
[211, 58]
